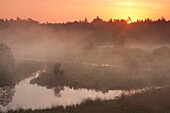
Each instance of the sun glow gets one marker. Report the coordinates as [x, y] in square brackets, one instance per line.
[74, 10]
[129, 22]
[132, 17]
[126, 3]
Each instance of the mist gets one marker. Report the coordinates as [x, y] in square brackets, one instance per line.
[52, 41]
[98, 57]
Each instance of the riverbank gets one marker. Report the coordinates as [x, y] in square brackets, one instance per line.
[151, 101]
[22, 70]
[79, 75]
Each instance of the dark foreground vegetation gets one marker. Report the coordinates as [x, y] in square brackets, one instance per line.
[151, 101]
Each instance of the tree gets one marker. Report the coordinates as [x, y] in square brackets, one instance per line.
[110, 21]
[162, 51]
[85, 20]
[56, 69]
[97, 20]
[6, 64]
[129, 20]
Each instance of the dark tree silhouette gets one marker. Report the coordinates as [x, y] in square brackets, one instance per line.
[56, 69]
[6, 64]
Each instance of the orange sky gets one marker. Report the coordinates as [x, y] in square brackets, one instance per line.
[70, 10]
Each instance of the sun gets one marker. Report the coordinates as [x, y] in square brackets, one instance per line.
[128, 22]
[132, 18]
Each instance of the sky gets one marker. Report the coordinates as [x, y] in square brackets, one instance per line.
[75, 10]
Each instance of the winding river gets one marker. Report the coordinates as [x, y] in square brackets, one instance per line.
[25, 95]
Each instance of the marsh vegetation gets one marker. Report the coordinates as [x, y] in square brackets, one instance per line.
[95, 58]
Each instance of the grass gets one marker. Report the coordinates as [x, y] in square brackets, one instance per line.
[22, 70]
[135, 72]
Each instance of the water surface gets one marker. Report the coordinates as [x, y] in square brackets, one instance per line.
[26, 95]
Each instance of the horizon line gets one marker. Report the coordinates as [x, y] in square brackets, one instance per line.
[85, 18]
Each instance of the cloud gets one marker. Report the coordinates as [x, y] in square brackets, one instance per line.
[142, 5]
[126, 4]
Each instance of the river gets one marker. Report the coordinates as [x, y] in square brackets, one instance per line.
[25, 95]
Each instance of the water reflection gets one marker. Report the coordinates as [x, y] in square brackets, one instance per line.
[26, 95]
[57, 91]
[6, 95]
